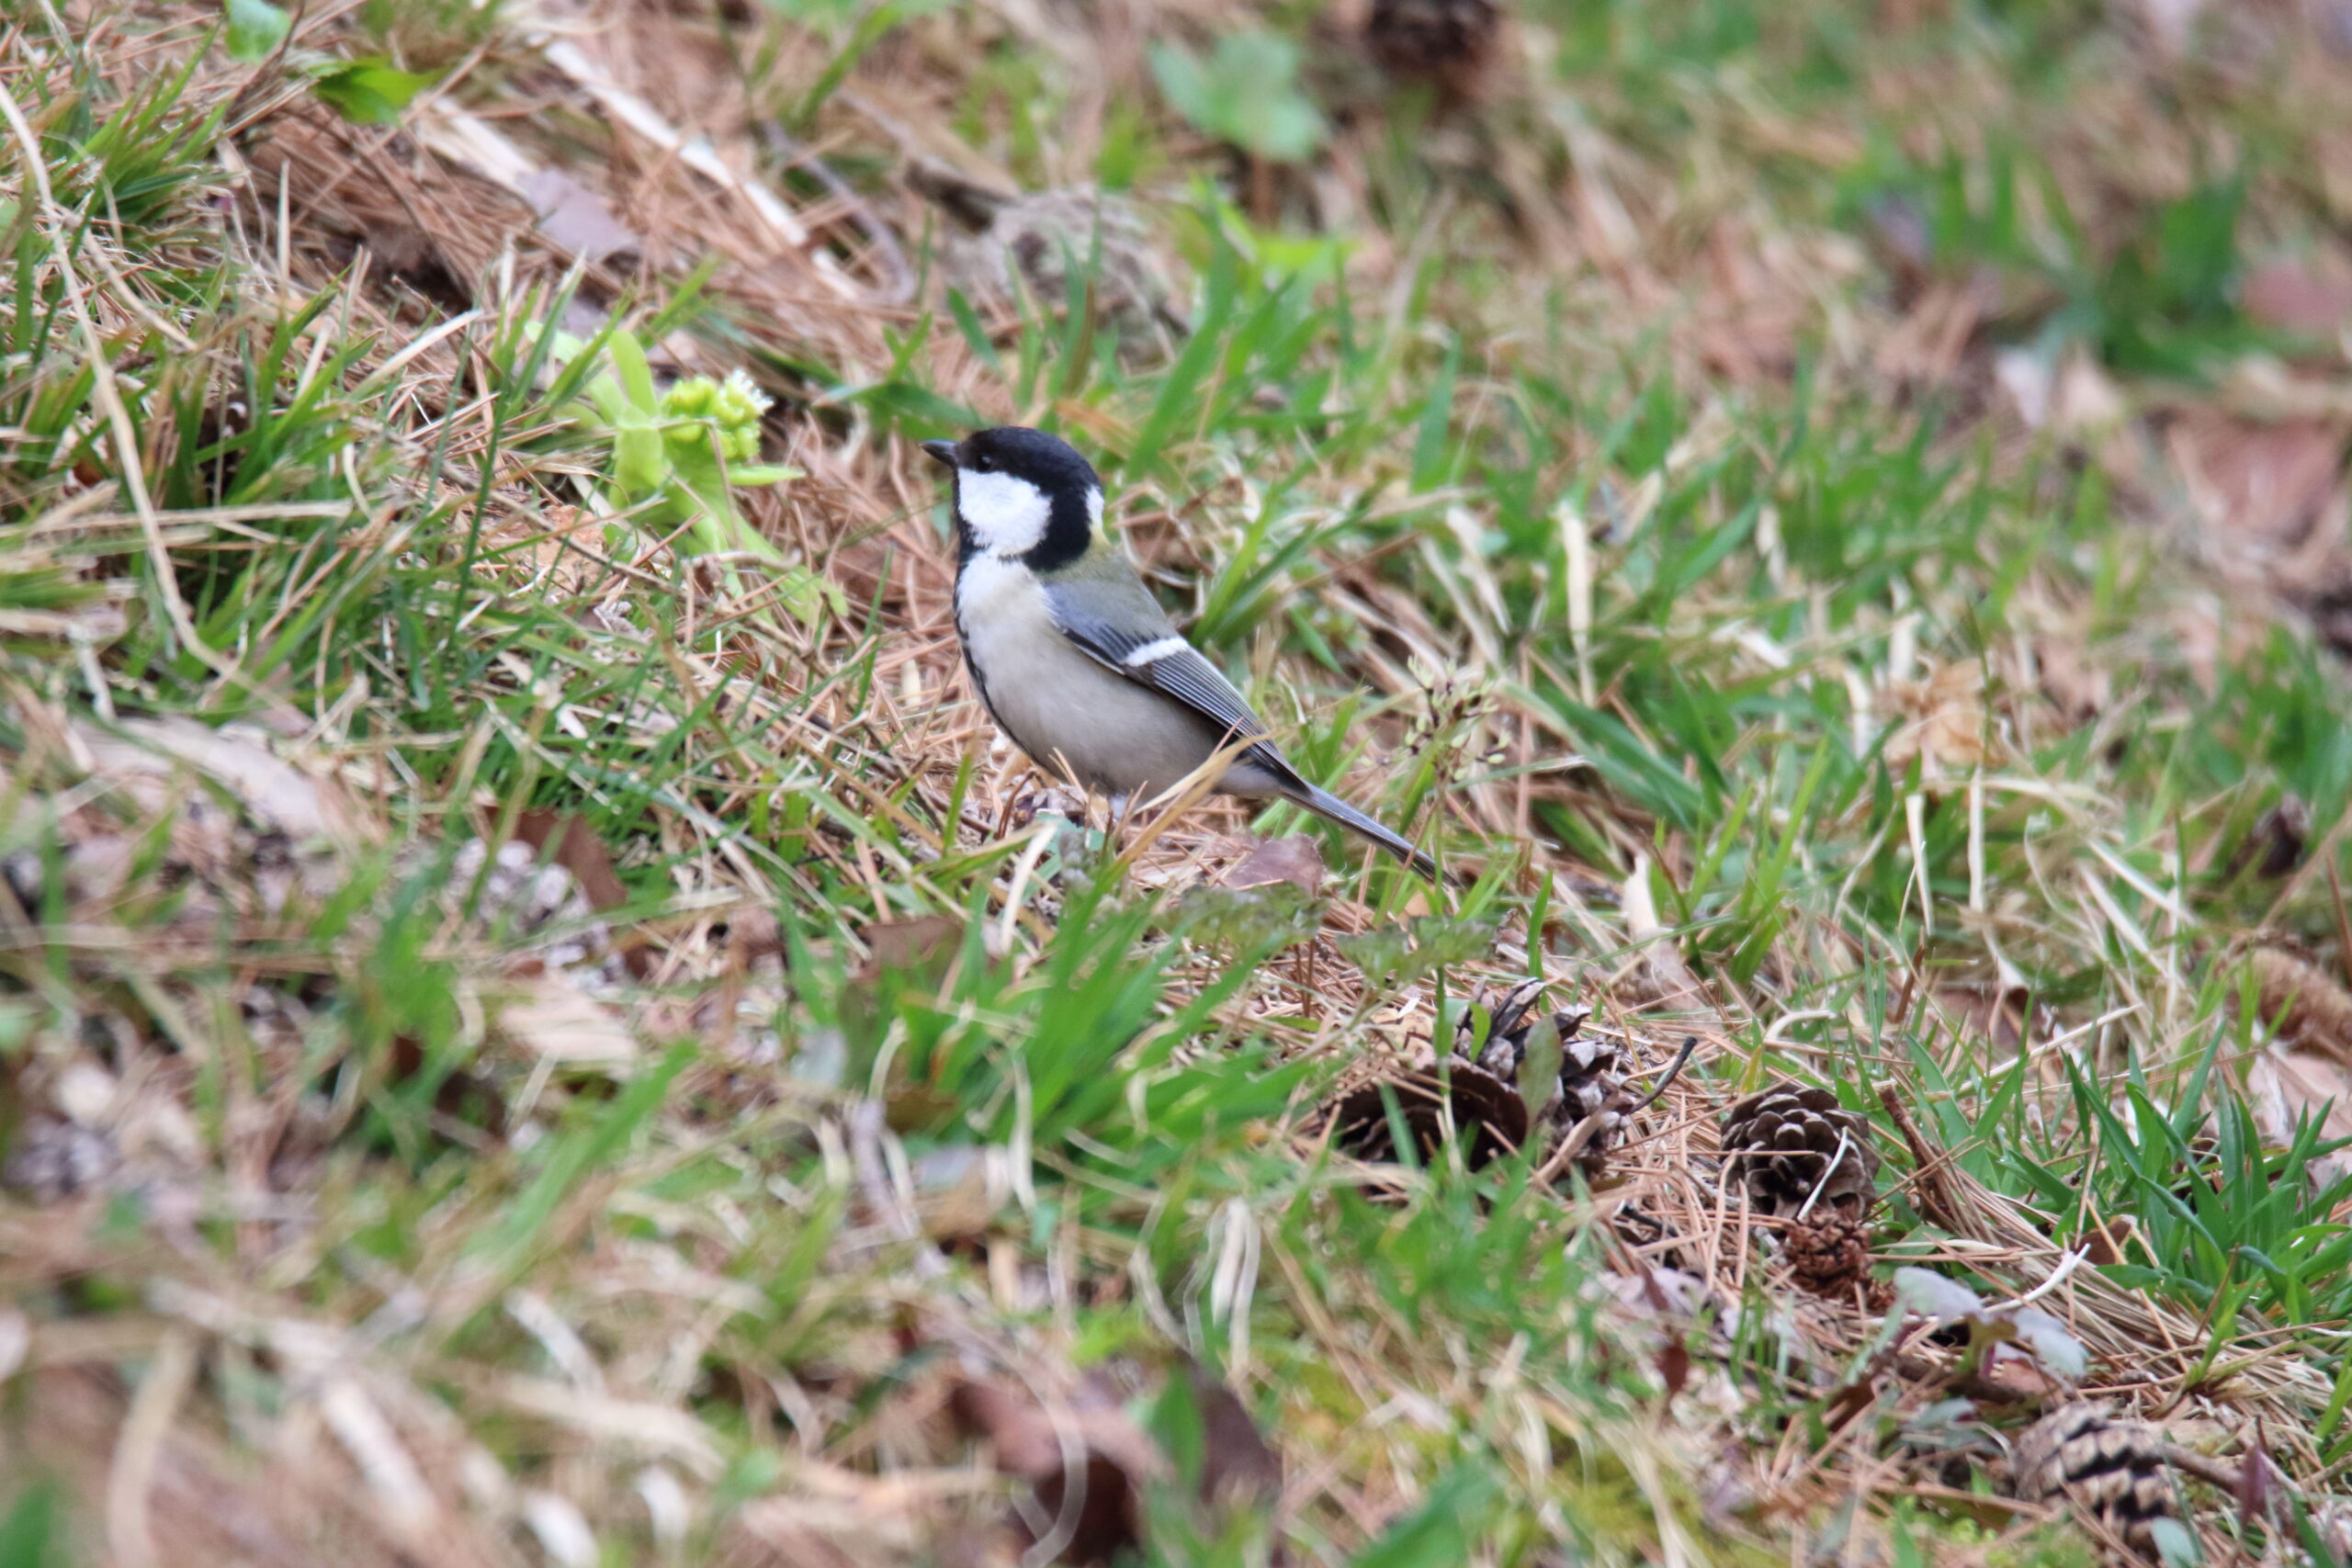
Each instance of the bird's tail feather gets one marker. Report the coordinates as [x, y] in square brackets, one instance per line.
[1331, 808]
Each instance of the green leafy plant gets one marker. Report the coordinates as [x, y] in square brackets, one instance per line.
[1245, 92]
[678, 453]
[256, 28]
[370, 92]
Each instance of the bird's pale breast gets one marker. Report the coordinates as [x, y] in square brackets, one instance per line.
[1059, 704]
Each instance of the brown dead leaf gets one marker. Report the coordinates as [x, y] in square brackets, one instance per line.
[922, 942]
[1239, 1468]
[1297, 859]
[1942, 722]
[2105, 1243]
[1673, 1368]
[1986, 1012]
[1087, 1462]
[2286, 1088]
[2309, 298]
[2307, 1006]
[558, 1024]
[578, 850]
[2265, 487]
[147, 752]
[574, 219]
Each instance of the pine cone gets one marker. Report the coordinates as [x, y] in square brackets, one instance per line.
[2116, 1468]
[1512, 1015]
[1036, 237]
[1790, 1139]
[1445, 43]
[1487, 1113]
[1591, 1081]
[1829, 1253]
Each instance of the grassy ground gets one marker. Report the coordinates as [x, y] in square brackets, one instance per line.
[540, 1026]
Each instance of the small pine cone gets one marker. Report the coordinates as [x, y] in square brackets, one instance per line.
[1591, 1080]
[1789, 1140]
[1591, 1089]
[2115, 1469]
[1829, 1253]
[1512, 1015]
[1446, 43]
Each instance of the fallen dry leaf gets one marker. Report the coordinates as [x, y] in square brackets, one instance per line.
[923, 942]
[2105, 1243]
[1986, 1012]
[2307, 1006]
[2264, 488]
[1297, 859]
[1942, 722]
[557, 1023]
[2286, 1087]
[574, 219]
[2311, 299]
[1087, 1462]
[1238, 1467]
[148, 752]
[578, 850]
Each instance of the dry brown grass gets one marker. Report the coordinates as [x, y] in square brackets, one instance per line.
[391, 1394]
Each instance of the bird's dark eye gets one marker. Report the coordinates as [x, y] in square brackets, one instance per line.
[983, 465]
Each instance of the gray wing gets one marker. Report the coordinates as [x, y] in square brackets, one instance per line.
[1142, 645]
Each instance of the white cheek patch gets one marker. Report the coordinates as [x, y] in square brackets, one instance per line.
[1006, 515]
[1094, 509]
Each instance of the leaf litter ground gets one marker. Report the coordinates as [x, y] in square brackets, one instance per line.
[1830, 519]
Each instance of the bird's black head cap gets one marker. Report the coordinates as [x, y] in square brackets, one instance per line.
[1023, 494]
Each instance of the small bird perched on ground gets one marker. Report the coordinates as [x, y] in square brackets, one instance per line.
[1073, 657]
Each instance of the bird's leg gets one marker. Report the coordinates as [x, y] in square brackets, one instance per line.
[1115, 839]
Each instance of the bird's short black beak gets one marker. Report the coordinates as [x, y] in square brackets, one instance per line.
[943, 451]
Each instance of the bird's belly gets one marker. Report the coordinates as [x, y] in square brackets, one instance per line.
[1112, 734]
[1065, 710]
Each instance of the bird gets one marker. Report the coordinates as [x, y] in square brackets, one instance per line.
[1074, 659]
